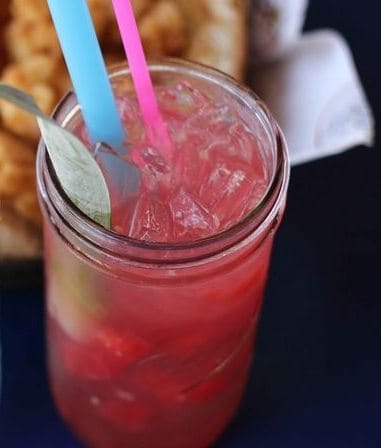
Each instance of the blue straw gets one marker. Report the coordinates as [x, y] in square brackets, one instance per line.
[87, 70]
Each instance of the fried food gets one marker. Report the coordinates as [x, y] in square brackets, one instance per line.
[20, 219]
[164, 30]
[17, 238]
[35, 75]
[29, 10]
[219, 39]
[4, 15]
[212, 32]
[23, 39]
[17, 177]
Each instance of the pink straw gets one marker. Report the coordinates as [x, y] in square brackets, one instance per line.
[154, 124]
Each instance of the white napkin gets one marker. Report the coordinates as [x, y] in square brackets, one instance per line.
[275, 27]
[314, 92]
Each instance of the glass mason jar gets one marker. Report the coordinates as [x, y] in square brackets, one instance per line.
[149, 344]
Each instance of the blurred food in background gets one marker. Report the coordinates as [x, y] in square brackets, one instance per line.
[207, 31]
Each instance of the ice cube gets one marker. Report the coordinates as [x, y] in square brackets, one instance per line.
[235, 142]
[131, 116]
[191, 219]
[231, 192]
[220, 118]
[210, 120]
[214, 187]
[243, 143]
[192, 165]
[181, 100]
[151, 220]
[155, 172]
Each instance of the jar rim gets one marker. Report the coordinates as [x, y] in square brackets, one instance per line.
[54, 199]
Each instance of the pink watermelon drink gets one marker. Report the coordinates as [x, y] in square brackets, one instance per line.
[151, 325]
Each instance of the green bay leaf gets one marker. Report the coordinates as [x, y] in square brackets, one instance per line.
[78, 172]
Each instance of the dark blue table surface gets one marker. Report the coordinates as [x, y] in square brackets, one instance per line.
[316, 379]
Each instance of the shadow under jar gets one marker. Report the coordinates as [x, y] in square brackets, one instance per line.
[149, 344]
